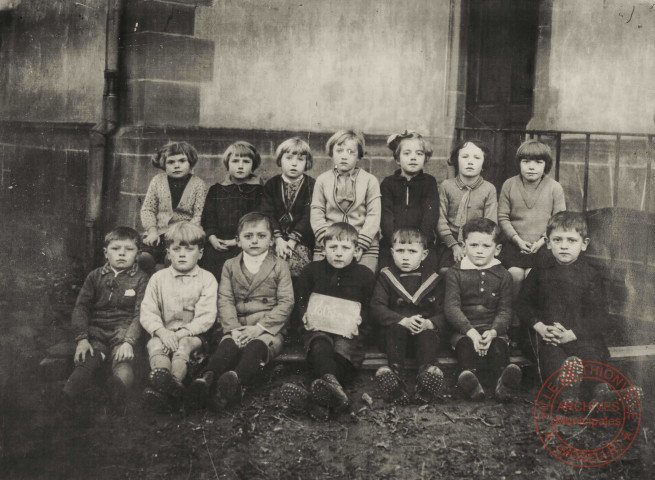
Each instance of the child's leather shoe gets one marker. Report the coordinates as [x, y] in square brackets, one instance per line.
[469, 385]
[569, 379]
[327, 391]
[228, 390]
[197, 393]
[300, 400]
[163, 381]
[508, 383]
[428, 383]
[391, 386]
[157, 401]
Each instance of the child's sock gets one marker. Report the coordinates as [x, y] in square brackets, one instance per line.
[160, 361]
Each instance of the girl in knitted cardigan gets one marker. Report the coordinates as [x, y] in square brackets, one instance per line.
[174, 195]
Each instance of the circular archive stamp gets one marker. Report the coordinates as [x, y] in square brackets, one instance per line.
[587, 433]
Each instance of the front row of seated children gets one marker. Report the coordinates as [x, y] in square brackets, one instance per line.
[412, 308]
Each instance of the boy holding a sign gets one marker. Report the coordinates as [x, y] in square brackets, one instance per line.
[333, 296]
[407, 304]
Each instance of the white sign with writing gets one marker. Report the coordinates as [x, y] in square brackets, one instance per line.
[333, 315]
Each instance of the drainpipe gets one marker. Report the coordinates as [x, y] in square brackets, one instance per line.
[102, 132]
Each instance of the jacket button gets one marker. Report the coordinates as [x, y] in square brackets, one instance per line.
[265, 300]
[482, 289]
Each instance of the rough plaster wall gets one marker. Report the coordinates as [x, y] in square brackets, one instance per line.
[318, 66]
[601, 64]
[52, 58]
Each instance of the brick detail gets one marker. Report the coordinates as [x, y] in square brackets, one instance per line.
[165, 56]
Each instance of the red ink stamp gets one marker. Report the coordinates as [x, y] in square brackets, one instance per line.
[587, 433]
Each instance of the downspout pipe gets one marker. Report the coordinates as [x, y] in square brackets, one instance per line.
[102, 132]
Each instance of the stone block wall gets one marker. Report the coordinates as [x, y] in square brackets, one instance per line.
[43, 192]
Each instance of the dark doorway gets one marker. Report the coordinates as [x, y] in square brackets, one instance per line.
[502, 46]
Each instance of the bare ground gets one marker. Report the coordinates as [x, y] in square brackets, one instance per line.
[260, 440]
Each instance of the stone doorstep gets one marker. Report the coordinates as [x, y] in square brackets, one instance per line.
[59, 362]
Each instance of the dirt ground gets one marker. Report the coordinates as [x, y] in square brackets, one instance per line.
[260, 440]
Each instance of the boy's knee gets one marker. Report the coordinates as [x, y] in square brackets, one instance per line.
[155, 347]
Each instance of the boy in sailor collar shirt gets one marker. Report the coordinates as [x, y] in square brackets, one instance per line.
[408, 306]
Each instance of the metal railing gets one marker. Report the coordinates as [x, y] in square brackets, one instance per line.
[502, 135]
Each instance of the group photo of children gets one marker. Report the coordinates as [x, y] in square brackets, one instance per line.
[226, 278]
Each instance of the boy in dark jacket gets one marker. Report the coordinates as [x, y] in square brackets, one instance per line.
[407, 304]
[333, 358]
[106, 319]
[478, 306]
[565, 303]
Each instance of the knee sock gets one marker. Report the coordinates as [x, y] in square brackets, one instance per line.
[179, 366]
[427, 343]
[224, 358]
[160, 361]
[396, 345]
[497, 356]
[465, 353]
[253, 355]
[322, 359]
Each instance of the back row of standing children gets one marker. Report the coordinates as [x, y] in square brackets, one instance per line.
[342, 211]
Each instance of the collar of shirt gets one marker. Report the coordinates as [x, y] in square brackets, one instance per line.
[192, 273]
[461, 185]
[251, 180]
[106, 268]
[468, 264]
[352, 174]
[399, 174]
[288, 181]
[254, 263]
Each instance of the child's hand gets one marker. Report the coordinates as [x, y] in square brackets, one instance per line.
[152, 238]
[474, 335]
[168, 338]
[217, 243]
[562, 335]
[413, 324]
[244, 335]
[358, 253]
[458, 252]
[524, 246]
[83, 347]
[281, 248]
[537, 245]
[485, 342]
[291, 246]
[547, 332]
[124, 353]
[181, 333]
